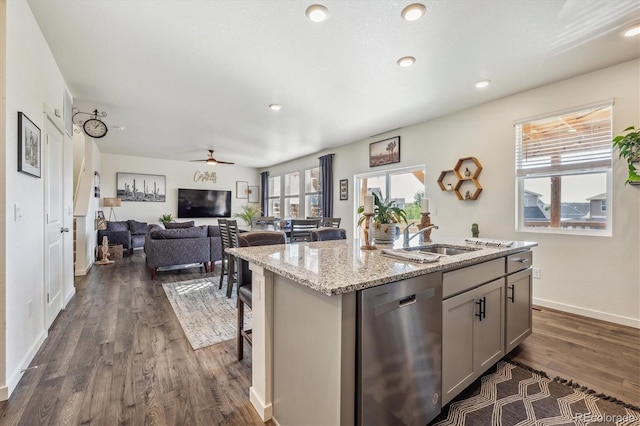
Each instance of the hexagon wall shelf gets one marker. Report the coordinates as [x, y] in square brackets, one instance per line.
[465, 175]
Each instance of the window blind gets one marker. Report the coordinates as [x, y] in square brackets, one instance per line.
[579, 140]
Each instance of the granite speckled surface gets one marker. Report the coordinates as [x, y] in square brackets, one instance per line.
[338, 267]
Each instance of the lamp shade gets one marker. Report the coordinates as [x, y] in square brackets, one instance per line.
[112, 202]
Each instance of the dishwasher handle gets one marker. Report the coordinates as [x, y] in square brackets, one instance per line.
[403, 301]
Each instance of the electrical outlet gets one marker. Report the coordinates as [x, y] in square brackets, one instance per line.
[30, 308]
[537, 273]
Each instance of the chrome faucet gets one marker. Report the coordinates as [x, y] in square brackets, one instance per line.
[405, 235]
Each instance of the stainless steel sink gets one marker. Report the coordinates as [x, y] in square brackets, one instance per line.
[445, 249]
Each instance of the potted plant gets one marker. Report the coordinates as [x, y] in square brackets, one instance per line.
[386, 216]
[248, 211]
[166, 218]
[629, 148]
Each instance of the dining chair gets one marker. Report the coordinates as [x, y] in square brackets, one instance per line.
[262, 221]
[327, 234]
[232, 232]
[300, 229]
[330, 222]
[250, 239]
[229, 237]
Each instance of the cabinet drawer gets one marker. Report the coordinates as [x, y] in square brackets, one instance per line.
[519, 261]
[460, 280]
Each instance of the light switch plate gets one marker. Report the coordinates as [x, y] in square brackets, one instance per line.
[537, 273]
[17, 212]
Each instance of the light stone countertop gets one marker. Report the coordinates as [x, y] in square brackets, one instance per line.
[338, 267]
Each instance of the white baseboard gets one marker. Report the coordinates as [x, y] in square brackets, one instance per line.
[264, 411]
[589, 313]
[15, 377]
[79, 272]
[68, 298]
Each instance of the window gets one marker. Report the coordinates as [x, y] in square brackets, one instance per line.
[274, 196]
[405, 186]
[291, 194]
[312, 192]
[563, 171]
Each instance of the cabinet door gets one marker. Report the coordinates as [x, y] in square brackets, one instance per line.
[518, 305]
[457, 344]
[488, 333]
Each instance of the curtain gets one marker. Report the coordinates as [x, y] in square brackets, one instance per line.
[326, 185]
[264, 195]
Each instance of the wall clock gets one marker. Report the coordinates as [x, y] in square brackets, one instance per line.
[95, 128]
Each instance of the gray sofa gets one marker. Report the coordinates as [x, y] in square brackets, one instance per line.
[130, 233]
[182, 246]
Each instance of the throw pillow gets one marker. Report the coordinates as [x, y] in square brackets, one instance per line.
[137, 228]
[177, 225]
[169, 234]
[117, 226]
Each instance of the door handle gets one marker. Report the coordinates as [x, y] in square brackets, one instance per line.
[64, 230]
[512, 287]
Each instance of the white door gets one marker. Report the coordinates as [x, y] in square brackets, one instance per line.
[54, 220]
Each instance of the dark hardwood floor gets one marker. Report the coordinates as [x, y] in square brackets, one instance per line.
[117, 355]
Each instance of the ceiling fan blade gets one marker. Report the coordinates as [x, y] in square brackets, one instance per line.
[223, 162]
[195, 161]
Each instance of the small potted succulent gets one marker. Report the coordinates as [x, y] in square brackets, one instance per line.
[628, 146]
[386, 216]
[248, 211]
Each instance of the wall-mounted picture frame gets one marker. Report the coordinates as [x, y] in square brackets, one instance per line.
[101, 222]
[384, 152]
[29, 147]
[242, 189]
[344, 189]
[254, 194]
[141, 187]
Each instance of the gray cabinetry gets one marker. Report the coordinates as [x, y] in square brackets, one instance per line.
[472, 335]
[518, 307]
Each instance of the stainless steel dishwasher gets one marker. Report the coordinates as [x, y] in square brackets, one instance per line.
[399, 352]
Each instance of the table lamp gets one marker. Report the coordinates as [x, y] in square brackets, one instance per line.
[112, 202]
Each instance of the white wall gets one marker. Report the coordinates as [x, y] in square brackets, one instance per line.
[597, 277]
[178, 174]
[33, 79]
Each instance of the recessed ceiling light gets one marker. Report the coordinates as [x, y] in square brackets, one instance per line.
[406, 61]
[632, 31]
[317, 12]
[483, 83]
[413, 12]
[275, 107]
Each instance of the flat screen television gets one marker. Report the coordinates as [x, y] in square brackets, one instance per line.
[194, 203]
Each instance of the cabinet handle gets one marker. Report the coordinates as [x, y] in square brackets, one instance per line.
[520, 259]
[512, 287]
[482, 304]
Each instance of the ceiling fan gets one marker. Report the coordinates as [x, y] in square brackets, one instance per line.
[211, 160]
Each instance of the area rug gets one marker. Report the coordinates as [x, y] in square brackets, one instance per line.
[517, 395]
[205, 313]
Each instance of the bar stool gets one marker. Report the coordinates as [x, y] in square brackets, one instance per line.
[250, 239]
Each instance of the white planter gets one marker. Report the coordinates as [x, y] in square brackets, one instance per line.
[384, 233]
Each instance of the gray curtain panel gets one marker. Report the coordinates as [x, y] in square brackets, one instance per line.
[326, 185]
[264, 197]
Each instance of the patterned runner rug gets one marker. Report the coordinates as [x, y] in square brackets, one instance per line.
[515, 395]
[205, 313]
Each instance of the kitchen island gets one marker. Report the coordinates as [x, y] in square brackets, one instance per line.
[305, 320]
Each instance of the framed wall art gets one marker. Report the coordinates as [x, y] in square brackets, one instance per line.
[384, 152]
[344, 189]
[29, 147]
[242, 189]
[141, 187]
[254, 194]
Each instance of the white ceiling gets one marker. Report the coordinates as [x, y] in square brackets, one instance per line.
[186, 76]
